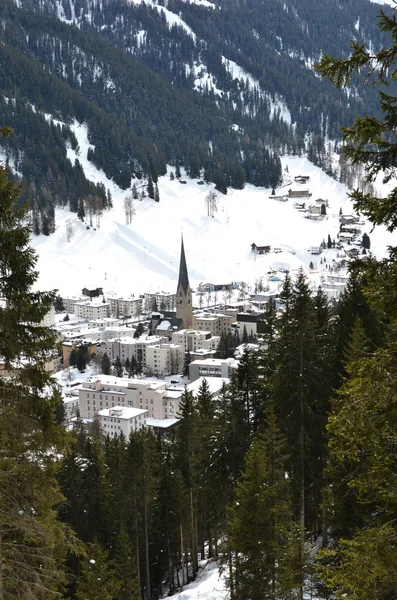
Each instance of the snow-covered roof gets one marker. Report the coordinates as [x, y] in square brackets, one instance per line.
[122, 412]
[161, 423]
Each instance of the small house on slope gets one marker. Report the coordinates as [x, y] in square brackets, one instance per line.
[260, 249]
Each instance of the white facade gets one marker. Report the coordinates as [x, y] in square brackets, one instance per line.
[121, 420]
[130, 347]
[69, 302]
[71, 406]
[163, 302]
[49, 319]
[216, 324]
[211, 367]
[103, 391]
[192, 340]
[92, 310]
[125, 307]
[164, 359]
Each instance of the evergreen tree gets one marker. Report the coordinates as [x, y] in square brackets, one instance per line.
[156, 193]
[105, 364]
[186, 363]
[366, 242]
[33, 542]
[96, 581]
[150, 187]
[118, 367]
[81, 359]
[58, 304]
[261, 525]
[81, 211]
[73, 358]
[124, 569]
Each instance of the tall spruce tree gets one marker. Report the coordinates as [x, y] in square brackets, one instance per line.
[33, 542]
[261, 525]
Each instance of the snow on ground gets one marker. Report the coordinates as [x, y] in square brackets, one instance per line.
[209, 585]
[144, 256]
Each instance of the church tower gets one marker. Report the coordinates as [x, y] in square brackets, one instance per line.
[184, 294]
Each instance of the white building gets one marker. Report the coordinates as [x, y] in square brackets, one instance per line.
[125, 307]
[216, 324]
[104, 391]
[92, 310]
[121, 420]
[192, 340]
[211, 367]
[164, 359]
[70, 301]
[130, 347]
[159, 301]
[49, 319]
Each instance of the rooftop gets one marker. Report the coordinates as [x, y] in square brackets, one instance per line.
[122, 412]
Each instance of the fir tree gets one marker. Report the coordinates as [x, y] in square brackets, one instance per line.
[33, 542]
[261, 525]
[118, 367]
[150, 187]
[156, 193]
[96, 581]
[105, 364]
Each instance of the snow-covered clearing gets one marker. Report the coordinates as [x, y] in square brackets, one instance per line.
[209, 585]
[144, 256]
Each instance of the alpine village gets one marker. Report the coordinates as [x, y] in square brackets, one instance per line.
[198, 300]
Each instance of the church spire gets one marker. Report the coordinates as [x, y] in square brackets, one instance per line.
[183, 279]
[183, 300]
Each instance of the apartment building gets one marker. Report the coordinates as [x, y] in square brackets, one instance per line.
[164, 359]
[159, 301]
[125, 307]
[104, 391]
[121, 420]
[215, 323]
[211, 367]
[192, 340]
[92, 310]
[129, 347]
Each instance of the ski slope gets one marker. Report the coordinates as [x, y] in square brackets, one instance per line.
[144, 255]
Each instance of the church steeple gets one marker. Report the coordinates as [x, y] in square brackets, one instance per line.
[184, 293]
[183, 279]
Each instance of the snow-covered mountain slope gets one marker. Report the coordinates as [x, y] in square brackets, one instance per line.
[144, 255]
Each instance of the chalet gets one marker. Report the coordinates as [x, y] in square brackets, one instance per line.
[348, 219]
[92, 293]
[350, 229]
[260, 249]
[299, 194]
[316, 250]
[320, 202]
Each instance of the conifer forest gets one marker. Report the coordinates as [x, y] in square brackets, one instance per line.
[288, 478]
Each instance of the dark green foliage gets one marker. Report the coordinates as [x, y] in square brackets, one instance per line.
[118, 367]
[139, 330]
[105, 364]
[58, 304]
[366, 242]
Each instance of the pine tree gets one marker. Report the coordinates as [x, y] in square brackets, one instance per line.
[150, 187]
[105, 364]
[81, 359]
[261, 526]
[81, 211]
[118, 367]
[186, 363]
[33, 542]
[156, 193]
[124, 570]
[96, 581]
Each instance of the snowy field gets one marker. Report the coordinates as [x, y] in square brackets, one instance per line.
[209, 585]
[144, 255]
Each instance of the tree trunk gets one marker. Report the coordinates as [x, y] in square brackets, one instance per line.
[184, 580]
